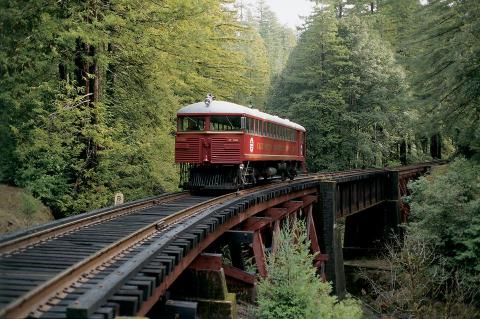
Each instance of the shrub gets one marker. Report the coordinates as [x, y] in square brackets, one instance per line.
[292, 288]
[445, 210]
[29, 206]
[419, 284]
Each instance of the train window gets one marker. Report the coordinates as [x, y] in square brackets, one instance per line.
[257, 127]
[250, 125]
[191, 123]
[225, 123]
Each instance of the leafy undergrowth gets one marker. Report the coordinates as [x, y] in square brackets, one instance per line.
[434, 267]
[19, 209]
[246, 310]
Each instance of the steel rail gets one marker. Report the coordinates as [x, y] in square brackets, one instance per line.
[40, 295]
[11, 245]
[85, 306]
[23, 306]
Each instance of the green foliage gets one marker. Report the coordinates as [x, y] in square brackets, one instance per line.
[89, 91]
[292, 288]
[446, 211]
[29, 205]
[419, 284]
[279, 40]
[344, 85]
[447, 72]
[267, 47]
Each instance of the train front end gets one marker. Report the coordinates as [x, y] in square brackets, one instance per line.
[208, 146]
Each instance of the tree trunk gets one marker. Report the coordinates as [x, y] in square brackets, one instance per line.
[403, 152]
[436, 146]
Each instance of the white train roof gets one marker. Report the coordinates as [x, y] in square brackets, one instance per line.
[223, 107]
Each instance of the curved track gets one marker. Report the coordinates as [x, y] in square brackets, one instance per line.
[37, 265]
[85, 266]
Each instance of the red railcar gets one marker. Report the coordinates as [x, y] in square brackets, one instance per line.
[222, 145]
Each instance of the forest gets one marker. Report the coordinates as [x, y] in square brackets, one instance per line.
[89, 91]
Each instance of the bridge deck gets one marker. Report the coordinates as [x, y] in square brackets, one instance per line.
[123, 262]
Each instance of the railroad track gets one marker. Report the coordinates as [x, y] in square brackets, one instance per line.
[90, 265]
[34, 266]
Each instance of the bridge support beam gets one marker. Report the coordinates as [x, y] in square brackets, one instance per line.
[205, 284]
[331, 237]
[259, 253]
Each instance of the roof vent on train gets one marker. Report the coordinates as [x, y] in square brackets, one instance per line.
[210, 98]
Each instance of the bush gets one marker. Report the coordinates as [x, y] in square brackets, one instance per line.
[292, 288]
[29, 206]
[419, 284]
[445, 210]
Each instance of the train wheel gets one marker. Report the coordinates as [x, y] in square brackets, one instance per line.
[291, 174]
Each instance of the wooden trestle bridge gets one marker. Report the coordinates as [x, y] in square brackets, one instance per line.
[163, 255]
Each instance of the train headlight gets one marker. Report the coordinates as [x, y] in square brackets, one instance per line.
[242, 166]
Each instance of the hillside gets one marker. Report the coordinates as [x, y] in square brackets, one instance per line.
[19, 209]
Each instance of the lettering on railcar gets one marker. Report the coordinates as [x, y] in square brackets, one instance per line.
[264, 147]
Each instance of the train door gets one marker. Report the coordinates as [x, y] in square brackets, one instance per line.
[300, 139]
[304, 153]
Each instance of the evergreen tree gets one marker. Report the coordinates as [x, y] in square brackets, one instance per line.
[279, 40]
[292, 288]
[447, 71]
[345, 86]
[446, 212]
[89, 91]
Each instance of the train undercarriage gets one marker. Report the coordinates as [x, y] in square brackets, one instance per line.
[233, 177]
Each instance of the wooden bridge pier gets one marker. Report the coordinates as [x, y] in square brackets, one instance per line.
[346, 217]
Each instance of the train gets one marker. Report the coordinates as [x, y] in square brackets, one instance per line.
[221, 145]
